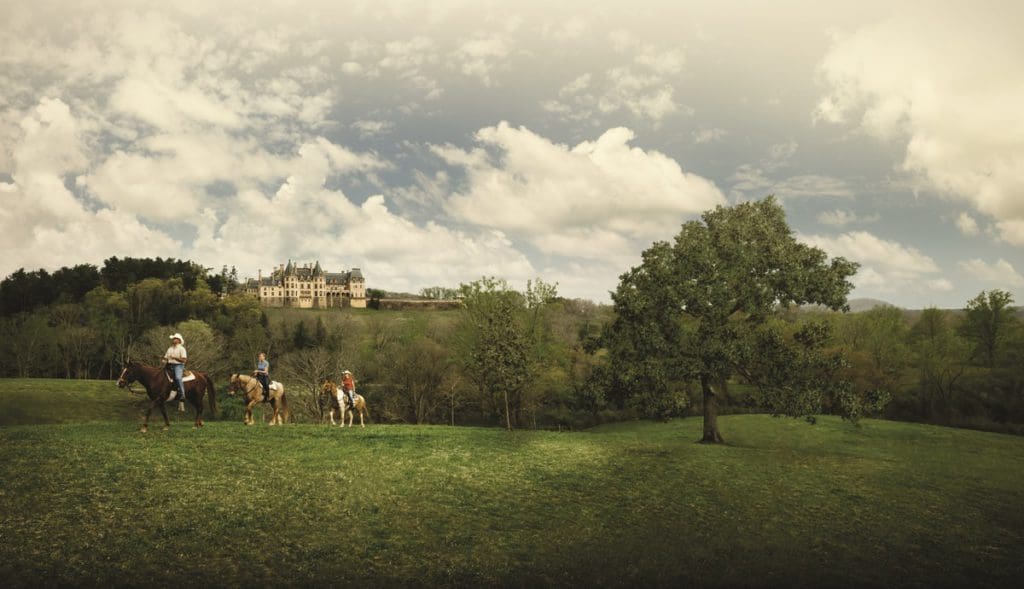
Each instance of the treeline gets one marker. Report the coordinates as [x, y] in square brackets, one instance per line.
[23, 291]
[79, 322]
[950, 367]
[959, 368]
[508, 357]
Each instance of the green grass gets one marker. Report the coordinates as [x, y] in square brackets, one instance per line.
[784, 503]
[51, 400]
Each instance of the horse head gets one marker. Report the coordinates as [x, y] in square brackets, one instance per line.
[328, 388]
[129, 374]
[234, 383]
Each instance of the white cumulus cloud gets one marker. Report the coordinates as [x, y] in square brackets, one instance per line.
[598, 194]
[999, 273]
[886, 266]
[953, 95]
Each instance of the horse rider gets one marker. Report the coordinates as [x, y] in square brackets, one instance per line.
[176, 356]
[348, 387]
[262, 373]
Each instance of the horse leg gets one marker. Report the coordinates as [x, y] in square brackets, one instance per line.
[145, 422]
[274, 406]
[199, 409]
[361, 423]
[248, 411]
[163, 411]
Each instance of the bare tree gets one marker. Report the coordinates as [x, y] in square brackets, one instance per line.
[418, 373]
[205, 347]
[304, 372]
[28, 339]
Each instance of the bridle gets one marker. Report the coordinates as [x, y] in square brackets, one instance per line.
[124, 383]
[236, 385]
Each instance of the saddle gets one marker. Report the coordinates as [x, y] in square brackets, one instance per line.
[344, 398]
[188, 376]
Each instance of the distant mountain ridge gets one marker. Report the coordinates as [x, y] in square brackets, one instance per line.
[866, 304]
[856, 305]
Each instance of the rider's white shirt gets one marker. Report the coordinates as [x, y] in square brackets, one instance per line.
[174, 353]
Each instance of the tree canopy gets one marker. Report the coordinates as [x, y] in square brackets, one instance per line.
[698, 308]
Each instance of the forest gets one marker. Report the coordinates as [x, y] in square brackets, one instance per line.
[512, 358]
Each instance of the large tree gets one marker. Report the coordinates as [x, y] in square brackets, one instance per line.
[503, 340]
[987, 322]
[696, 309]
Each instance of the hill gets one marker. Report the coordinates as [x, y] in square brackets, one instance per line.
[785, 503]
[45, 400]
[865, 304]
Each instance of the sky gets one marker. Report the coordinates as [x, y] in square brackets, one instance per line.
[432, 143]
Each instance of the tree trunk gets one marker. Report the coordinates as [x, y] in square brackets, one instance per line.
[711, 433]
[508, 417]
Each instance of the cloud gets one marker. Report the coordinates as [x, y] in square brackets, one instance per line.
[953, 96]
[42, 222]
[371, 128]
[841, 218]
[708, 135]
[1000, 273]
[966, 224]
[1012, 231]
[480, 56]
[644, 95]
[643, 87]
[780, 154]
[752, 182]
[571, 29]
[762, 178]
[886, 266]
[940, 285]
[663, 62]
[811, 185]
[597, 194]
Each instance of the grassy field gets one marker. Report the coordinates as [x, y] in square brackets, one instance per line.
[784, 503]
[31, 401]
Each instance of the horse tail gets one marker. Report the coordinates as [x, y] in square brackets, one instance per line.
[366, 408]
[213, 394]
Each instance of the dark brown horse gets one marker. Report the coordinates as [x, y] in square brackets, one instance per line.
[159, 387]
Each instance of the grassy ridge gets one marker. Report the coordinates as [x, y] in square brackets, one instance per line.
[51, 400]
[785, 503]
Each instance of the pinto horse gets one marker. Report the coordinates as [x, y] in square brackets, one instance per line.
[339, 400]
[158, 388]
[253, 393]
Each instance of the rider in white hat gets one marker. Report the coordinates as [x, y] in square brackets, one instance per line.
[176, 357]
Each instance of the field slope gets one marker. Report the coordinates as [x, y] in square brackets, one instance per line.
[785, 503]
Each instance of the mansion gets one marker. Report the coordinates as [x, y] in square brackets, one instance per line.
[308, 287]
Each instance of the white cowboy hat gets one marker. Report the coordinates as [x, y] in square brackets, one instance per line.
[345, 372]
[178, 336]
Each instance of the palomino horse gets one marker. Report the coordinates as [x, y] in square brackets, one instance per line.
[252, 391]
[339, 401]
[159, 387]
